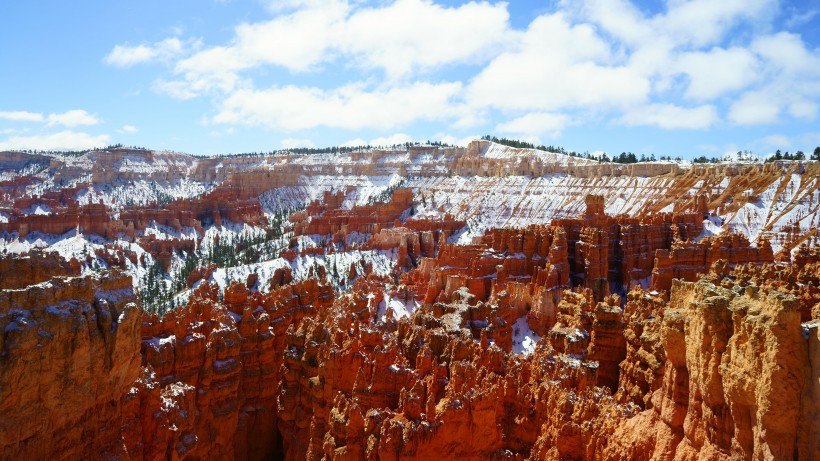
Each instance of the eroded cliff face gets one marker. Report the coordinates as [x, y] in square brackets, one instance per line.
[737, 381]
[716, 372]
[529, 309]
[69, 354]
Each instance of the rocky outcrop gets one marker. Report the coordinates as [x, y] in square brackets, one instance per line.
[20, 271]
[326, 217]
[736, 384]
[712, 373]
[69, 356]
[425, 360]
[686, 260]
[220, 362]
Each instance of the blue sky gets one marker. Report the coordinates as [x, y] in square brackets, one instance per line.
[674, 78]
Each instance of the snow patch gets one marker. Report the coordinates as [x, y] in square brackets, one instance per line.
[524, 339]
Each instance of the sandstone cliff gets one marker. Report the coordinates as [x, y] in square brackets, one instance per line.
[69, 356]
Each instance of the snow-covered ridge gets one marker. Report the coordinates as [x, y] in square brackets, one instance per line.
[499, 151]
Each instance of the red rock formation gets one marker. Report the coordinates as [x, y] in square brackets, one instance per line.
[591, 253]
[717, 369]
[65, 214]
[307, 375]
[162, 249]
[35, 267]
[69, 356]
[736, 385]
[642, 369]
[327, 218]
[686, 259]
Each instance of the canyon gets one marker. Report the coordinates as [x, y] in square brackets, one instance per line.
[422, 302]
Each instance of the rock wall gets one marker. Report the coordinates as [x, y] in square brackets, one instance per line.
[686, 260]
[737, 382]
[722, 371]
[69, 356]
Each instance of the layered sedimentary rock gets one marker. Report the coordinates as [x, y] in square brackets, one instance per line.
[65, 214]
[738, 380]
[424, 357]
[69, 357]
[712, 373]
[687, 259]
[36, 267]
[327, 217]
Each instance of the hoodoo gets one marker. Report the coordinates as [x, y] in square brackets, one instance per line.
[425, 302]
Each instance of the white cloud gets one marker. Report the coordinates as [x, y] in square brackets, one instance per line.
[69, 118]
[705, 22]
[684, 23]
[290, 143]
[349, 107]
[454, 140]
[787, 53]
[805, 109]
[790, 76]
[557, 66]
[587, 59]
[127, 56]
[297, 41]
[63, 140]
[798, 18]
[381, 141]
[128, 129]
[354, 143]
[310, 34]
[670, 116]
[754, 108]
[777, 141]
[179, 89]
[398, 138]
[410, 35]
[717, 71]
[22, 116]
[536, 123]
[72, 118]
[619, 18]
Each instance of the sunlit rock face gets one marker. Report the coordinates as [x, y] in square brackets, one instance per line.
[427, 303]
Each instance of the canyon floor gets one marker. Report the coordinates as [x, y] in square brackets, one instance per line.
[422, 302]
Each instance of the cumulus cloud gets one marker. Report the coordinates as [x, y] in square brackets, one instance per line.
[128, 129]
[692, 23]
[390, 38]
[69, 118]
[717, 71]
[385, 37]
[455, 140]
[350, 107]
[536, 123]
[72, 118]
[21, 116]
[63, 140]
[128, 55]
[685, 67]
[670, 116]
[776, 140]
[557, 65]
[290, 143]
[754, 108]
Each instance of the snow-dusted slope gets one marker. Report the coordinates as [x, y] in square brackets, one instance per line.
[487, 185]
